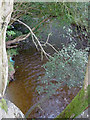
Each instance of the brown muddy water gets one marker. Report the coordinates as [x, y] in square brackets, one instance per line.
[22, 92]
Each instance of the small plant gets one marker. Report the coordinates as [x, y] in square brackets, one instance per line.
[3, 104]
[10, 53]
[66, 67]
[12, 33]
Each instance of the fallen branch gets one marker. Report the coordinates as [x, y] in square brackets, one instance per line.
[37, 40]
[20, 38]
[23, 37]
[14, 46]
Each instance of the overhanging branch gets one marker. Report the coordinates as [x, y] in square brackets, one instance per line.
[22, 37]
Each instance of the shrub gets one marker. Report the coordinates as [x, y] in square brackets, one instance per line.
[66, 67]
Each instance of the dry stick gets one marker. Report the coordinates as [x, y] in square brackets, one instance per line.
[47, 39]
[40, 108]
[52, 47]
[12, 46]
[34, 42]
[44, 44]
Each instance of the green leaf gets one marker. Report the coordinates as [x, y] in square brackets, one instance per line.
[9, 27]
[3, 104]
[17, 66]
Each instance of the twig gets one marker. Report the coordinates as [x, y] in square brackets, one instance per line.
[34, 42]
[40, 108]
[14, 46]
[47, 39]
[44, 44]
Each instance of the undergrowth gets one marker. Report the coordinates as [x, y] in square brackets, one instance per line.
[10, 53]
[66, 67]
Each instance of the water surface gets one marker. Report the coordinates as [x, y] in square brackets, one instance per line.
[22, 92]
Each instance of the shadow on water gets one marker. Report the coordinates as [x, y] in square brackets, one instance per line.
[22, 91]
[28, 69]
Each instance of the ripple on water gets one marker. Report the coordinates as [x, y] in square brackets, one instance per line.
[22, 91]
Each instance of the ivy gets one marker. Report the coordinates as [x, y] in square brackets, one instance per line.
[66, 67]
[11, 33]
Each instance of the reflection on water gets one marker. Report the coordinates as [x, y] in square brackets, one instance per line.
[28, 69]
[22, 91]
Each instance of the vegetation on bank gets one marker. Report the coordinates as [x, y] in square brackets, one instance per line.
[80, 101]
[68, 67]
[11, 53]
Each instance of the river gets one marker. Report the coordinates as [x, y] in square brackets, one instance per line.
[22, 92]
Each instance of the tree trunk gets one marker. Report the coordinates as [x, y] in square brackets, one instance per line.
[87, 80]
[6, 8]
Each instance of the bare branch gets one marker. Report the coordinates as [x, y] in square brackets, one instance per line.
[34, 42]
[47, 43]
[47, 39]
[20, 38]
[23, 37]
[37, 40]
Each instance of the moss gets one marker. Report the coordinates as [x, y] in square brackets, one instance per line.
[77, 105]
[3, 104]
